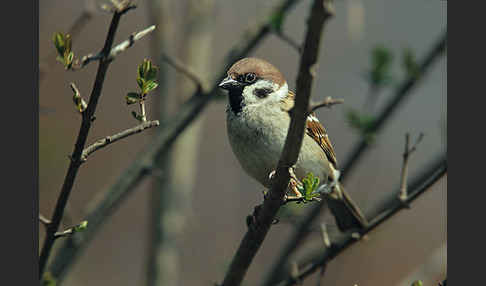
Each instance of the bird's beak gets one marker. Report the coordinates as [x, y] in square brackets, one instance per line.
[228, 83]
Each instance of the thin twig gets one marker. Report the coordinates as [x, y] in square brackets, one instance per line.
[123, 46]
[402, 92]
[101, 143]
[429, 177]
[284, 37]
[44, 220]
[74, 31]
[112, 197]
[115, 51]
[187, 71]
[255, 235]
[328, 102]
[406, 154]
[79, 146]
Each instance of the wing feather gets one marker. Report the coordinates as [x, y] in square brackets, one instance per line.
[314, 129]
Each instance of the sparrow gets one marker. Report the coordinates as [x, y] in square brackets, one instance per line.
[257, 120]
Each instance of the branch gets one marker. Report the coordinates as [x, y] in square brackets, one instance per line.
[403, 91]
[77, 228]
[289, 41]
[390, 207]
[99, 211]
[319, 13]
[187, 71]
[115, 51]
[123, 46]
[44, 220]
[404, 176]
[328, 102]
[79, 146]
[101, 143]
[74, 31]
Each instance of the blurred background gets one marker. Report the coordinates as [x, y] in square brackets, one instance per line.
[212, 194]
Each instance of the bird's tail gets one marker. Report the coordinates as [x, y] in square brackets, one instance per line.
[346, 212]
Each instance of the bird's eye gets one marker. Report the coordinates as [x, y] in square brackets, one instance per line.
[250, 77]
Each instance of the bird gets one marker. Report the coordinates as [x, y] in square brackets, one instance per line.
[257, 121]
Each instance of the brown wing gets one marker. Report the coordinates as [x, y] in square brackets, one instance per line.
[314, 129]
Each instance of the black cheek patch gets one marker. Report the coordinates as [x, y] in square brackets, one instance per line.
[262, 92]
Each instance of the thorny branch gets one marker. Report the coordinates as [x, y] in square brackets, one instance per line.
[100, 210]
[320, 12]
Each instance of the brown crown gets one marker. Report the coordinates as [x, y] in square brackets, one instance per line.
[259, 67]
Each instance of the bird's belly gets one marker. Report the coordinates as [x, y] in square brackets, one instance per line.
[258, 150]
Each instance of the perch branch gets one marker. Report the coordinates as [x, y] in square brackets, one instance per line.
[319, 13]
[101, 143]
[390, 207]
[75, 162]
[406, 154]
[402, 92]
[100, 210]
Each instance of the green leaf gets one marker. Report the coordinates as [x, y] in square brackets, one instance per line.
[68, 60]
[48, 279]
[380, 72]
[417, 283]
[311, 184]
[410, 64]
[68, 43]
[363, 123]
[277, 21]
[59, 43]
[151, 73]
[132, 97]
[137, 116]
[82, 226]
[149, 86]
[140, 82]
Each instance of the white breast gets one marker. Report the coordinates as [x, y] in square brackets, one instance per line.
[257, 136]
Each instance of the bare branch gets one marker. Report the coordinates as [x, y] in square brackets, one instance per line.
[101, 143]
[137, 171]
[284, 37]
[123, 46]
[255, 235]
[44, 220]
[79, 227]
[424, 183]
[187, 71]
[328, 102]
[325, 236]
[115, 51]
[406, 154]
[403, 91]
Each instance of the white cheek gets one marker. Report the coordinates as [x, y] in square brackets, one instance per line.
[278, 94]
